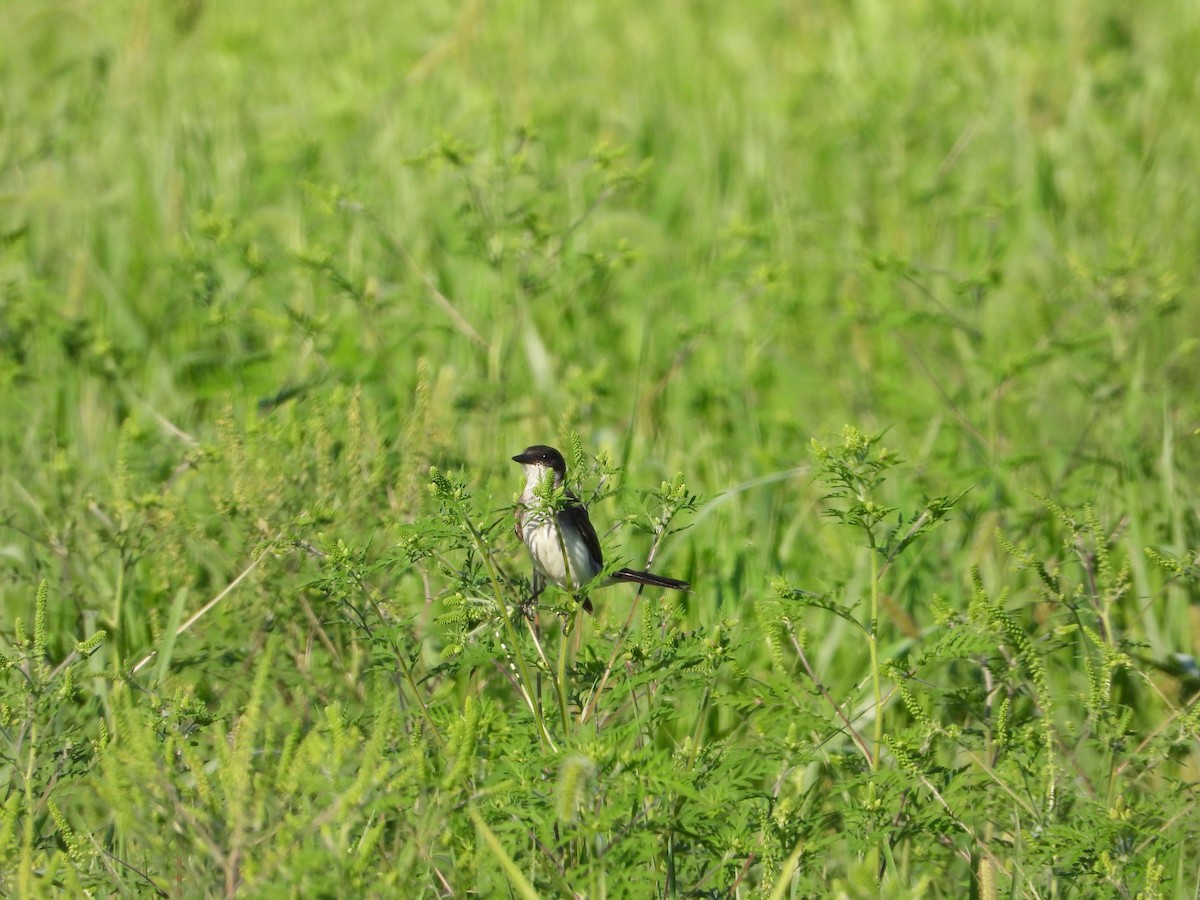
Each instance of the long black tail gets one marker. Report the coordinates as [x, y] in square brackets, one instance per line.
[651, 579]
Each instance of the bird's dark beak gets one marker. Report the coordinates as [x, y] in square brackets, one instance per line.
[521, 458]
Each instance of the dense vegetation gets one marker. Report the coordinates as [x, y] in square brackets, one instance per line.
[284, 286]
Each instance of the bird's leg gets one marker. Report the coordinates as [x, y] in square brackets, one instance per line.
[528, 605]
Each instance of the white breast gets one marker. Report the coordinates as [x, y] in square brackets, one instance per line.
[541, 537]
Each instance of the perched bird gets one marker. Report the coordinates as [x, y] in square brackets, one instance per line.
[562, 543]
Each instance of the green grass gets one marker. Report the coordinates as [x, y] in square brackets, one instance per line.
[283, 287]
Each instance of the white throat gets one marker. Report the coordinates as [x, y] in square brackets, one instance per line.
[534, 476]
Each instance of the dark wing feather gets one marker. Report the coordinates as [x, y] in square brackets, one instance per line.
[576, 514]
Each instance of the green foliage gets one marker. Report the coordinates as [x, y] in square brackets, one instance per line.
[52, 733]
[854, 473]
[282, 290]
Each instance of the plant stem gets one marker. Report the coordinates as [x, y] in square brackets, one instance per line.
[873, 641]
[526, 681]
[560, 682]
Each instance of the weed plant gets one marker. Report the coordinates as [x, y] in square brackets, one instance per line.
[283, 288]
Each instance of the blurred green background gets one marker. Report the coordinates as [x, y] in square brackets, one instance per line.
[692, 232]
[698, 234]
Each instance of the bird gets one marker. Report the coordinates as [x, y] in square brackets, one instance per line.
[562, 543]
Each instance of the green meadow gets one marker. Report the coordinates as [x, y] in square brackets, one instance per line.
[876, 321]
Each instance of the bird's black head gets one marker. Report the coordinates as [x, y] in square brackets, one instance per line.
[541, 455]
